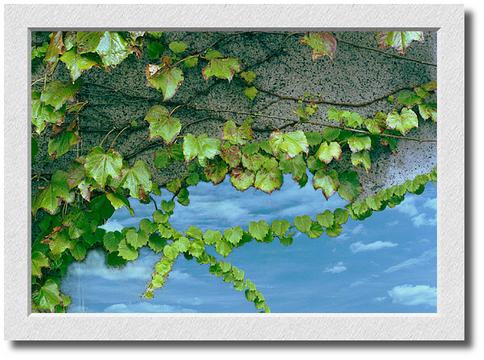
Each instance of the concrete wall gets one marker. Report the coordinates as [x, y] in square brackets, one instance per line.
[359, 74]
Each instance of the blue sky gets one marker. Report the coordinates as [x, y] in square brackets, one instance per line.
[386, 263]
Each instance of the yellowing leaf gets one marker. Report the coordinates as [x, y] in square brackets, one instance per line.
[399, 40]
[167, 80]
[290, 143]
[327, 181]
[221, 68]
[322, 43]
[200, 146]
[329, 151]
[403, 122]
[162, 124]
[242, 179]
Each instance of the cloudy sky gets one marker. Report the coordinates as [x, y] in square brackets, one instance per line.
[386, 263]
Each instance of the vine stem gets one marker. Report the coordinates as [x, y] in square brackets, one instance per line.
[117, 136]
[106, 136]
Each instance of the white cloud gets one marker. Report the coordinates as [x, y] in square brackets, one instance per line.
[112, 225]
[336, 269]
[145, 307]
[409, 263]
[431, 204]
[423, 220]
[393, 223]
[380, 298]
[408, 207]
[358, 229]
[412, 295]
[377, 245]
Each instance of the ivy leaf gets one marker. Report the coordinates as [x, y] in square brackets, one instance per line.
[136, 239]
[322, 43]
[118, 201]
[215, 171]
[111, 240]
[268, 180]
[248, 76]
[233, 235]
[349, 185]
[200, 146]
[305, 225]
[39, 261]
[231, 155]
[78, 252]
[359, 143]
[77, 63]
[112, 48]
[329, 151]
[237, 135]
[154, 49]
[126, 251]
[101, 165]
[242, 179]
[156, 243]
[428, 111]
[56, 93]
[259, 229]
[49, 296]
[280, 227]
[295, 166]
[55, 48]
[167, 80]
[212, 236]
[39, 51]
[290, 143]
[42, 114]
[62, 143]
[403, 122]
[58, 190]
[409, 98]
[331, 134]
[326, 219]
[60, 243]
[223, 248]
[399, 40]
[177, 46]
[251, 92]
[340, 216]
[88, 41]
[361, 158]
[221, 68]
[137, 180]
[327, 181]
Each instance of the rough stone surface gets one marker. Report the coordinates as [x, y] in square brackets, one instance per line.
[359, 74]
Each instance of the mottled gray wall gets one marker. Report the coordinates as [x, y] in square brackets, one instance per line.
[359, 74]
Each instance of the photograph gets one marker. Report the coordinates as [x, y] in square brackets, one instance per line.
[235, 171]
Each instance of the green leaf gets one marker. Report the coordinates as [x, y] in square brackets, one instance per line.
[62, 143]
[194, 232]
[349, 185]
[428, 111]
[215, 171]
[330, 134]
[399, 40]
[326, 219]
[136, 239]
[114, 260]
[79, 251]
[190, 61]
[126, 251]
[231, 155]
[303, 223]
[408, 98]
[154, 49]
[77, 63]
[102, 165]
[221, 68]
[248, 76]
[327, 181]
[167, 80]
[112, 48]
[359, 143]
[56, 93]
[295, 166]
[212, 236]
[111, 240]
[403, 122]
[87, 42]
[60, 243]
[39, 51]
[201, 147]
[55, 48]
[340, 216]
[259, 229]
[280, 227]
[237, 135]
[137, 180]
[42, 114]
[223, 248]
[322, 43]
[251, 92]
[268, 180]
[118, 201]
[39, 261]
[290, 143]
[329, 151]
[49, 296]
[233, 235]
[177, 46]
[56, 191]
[361, 158]
[168, 206]
[242, 179]
[156, 243]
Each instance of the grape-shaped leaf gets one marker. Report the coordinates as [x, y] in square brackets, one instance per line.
[126, 251]
[77, 63]
[113, 48]
[408, 98]
[349, 185]
[102, 165]
[303, 223]
[268, 180]
[200, 146]
[361, 158]
[295, 166]
[137, 180]
[136, 239]
[177, 46]
[251, 92]
[340, 216]
[56, 93]
[322, 43]
[233, 235]
[403, 122]
[39, 261]
[428, 111]
[62, 143]
[291, 143]
[88, 41]
[78, 252]
[359, 143]
[42, 114]
[259, 229]
[242, 179]
[60, 243]
[215, 171]
[329, 151]
[48, 296]
[223, 248]
[221, 68]
[237, 135]
[399, 40]
[248, 76]
[280, 227]
[212, 236]
[194, 232]
[55, 48]
[111, 240]
[326, 219]
[231, 155]
[56, 191]
[167, 80]
[327, 181]
[118, 201]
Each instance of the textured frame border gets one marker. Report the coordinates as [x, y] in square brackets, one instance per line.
[447, 324]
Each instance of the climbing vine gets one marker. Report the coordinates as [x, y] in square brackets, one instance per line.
[71, 204]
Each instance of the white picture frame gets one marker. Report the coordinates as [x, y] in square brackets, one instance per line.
[448, 324]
